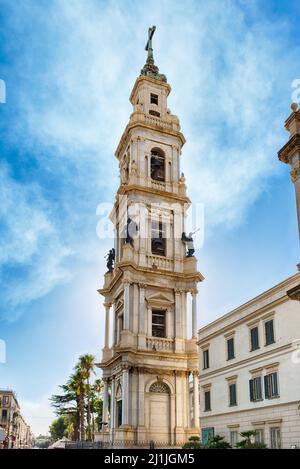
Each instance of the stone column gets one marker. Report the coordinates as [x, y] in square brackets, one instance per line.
[125, 396]
[141, 308]
[107, 319]
[112, 404]
[183, 314]
[114, 327]
[126, 305]
[196, 398]
[194, 313]
[141, 398]
[105, 403]
[178, 322]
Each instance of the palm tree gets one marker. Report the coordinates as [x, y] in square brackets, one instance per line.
[76, 383]
[86, 367]
[96, 403]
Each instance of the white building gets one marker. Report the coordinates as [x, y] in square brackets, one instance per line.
[250, 370]
[250, 358]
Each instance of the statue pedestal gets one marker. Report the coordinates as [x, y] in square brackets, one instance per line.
[190, 265]
[107, 279]
[127, 252]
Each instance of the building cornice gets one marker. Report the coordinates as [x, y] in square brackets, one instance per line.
[142, 124]
[250, 409]
[269, 294]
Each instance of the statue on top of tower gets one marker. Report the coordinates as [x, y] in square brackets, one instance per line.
[149, 68]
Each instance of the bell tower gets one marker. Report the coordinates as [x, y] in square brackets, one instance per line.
[150, 361]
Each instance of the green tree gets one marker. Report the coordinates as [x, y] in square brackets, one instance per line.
[58, 428]
[217, 442]
[193, 443]
[86, 367]
[248, 443]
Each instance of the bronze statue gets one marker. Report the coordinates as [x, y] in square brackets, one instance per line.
[110, 260]
[189, 242]
[148, 47]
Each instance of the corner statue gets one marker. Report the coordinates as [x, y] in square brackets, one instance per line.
[189, 242]
[110, 257]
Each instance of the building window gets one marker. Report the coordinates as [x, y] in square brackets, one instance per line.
[154, 113]
[254, 338]
[158, 238]
[5, 400]
[119, 413]
[269, 332]
[230, 348]
[158, 323]
[233, 437]
[207, 401]
[205, 359]
[232, 394]
[260, 435]
[154, 98]
[275, 437]
[271, 386]
[157, 165]
[255, 389]
[4, 414]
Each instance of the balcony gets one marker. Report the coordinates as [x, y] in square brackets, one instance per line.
[159, 344]
[161, 186]
[159, 262]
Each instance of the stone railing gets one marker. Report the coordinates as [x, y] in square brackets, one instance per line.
[158, 185]
[171, 124]
[160, 262]
[160, 344]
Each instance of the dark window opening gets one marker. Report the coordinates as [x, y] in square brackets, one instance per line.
[154, 113]
[254, 339]
[207, 403]
[158, 238]
[154, 98]
[230, 349]
[157, 166]
[4, 414]
[269, 330]
[119, 413]
[232, 394]
[158, 323]
[205, 359]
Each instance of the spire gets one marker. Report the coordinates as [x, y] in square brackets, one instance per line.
[150, 69]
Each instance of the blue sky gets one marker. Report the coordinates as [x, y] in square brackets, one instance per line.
[69, 68]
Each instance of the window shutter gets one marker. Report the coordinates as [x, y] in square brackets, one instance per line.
[267, 392]
[254, 338]
[251, 390]
[230, 349]
[275, 384]
[258, 388]
[269, 332]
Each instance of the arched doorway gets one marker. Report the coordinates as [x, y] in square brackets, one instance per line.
[159, 417]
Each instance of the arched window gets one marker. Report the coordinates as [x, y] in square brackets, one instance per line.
[157, 165]
[159, 387]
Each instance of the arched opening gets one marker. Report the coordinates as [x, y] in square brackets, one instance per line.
[160, 412]
[157, 165]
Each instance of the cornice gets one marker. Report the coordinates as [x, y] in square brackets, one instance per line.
[292, 145]
[284, 286]
[141, 124]
[150, 190]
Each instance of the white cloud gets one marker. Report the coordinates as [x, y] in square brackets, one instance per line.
[30, 250]
[38, 414]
